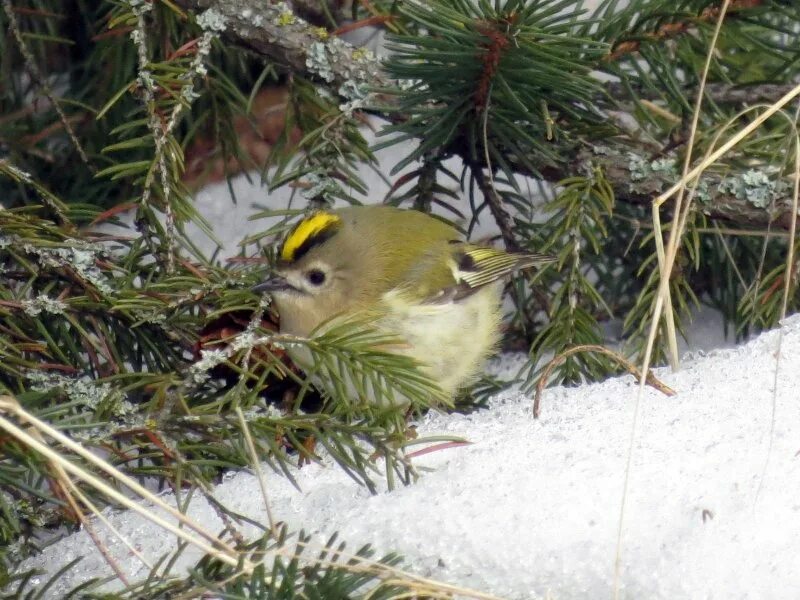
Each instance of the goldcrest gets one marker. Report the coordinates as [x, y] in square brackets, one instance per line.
[408, 272]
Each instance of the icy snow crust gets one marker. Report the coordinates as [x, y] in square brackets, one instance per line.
[531, 508]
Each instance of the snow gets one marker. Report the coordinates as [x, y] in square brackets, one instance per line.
[532, 508]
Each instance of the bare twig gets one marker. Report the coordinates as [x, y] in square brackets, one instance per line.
[69, 489]
[496, 207]
[719, 93]
[618, 159]
[33, 69]
[257, 470]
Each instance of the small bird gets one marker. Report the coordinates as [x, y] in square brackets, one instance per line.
[410, 272]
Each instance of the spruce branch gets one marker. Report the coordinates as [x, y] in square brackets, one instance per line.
[285, 38]
[676, 27]
[576, 233]
[163, 117]
[92, 340]
[133, 361]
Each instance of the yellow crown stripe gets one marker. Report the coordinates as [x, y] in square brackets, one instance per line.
[306, 229]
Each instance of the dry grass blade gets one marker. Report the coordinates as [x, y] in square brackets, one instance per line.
[676, 231]
[102, 518]
[667, 261]
[8, 404]
[626, 364]
[71, 490]
[792, 229]
[227, 554]
[257, 471]
[787, 284]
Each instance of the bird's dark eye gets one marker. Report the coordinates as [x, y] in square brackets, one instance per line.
[315, 277]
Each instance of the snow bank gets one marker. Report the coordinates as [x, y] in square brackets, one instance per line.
[532, 508]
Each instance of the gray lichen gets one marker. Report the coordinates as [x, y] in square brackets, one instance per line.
[84, 391]
[660, 173]
[198, 372]
[757, 187]
[44, 303]
[78, 255]
[355, 93]
[666, 165]
[321, 186]
[244, 341]
[641, 168]
[152, 317]
[318, 63]
[703, 191]
[140, 7]
[211, 20]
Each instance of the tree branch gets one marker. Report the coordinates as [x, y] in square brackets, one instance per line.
[719, 93]
[753, 198]
[496, 207]
[280, 34]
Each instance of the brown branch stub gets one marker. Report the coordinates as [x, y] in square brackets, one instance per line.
[373, 21]
[651, 379]
[490, 55]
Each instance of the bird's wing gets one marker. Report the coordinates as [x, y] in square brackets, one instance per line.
[477, 266]
[469, 268]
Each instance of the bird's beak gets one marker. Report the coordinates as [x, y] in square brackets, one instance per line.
[273, 283]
